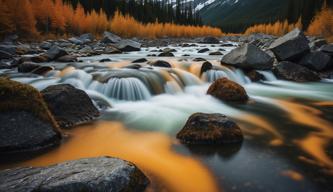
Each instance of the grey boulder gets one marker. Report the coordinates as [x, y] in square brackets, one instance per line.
[293, 72]
[128, 45]
[317, 61]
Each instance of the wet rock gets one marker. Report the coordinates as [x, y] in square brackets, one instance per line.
[328, 49]
[67, 58]
[227, 90]
[293, 72]
[133, 66]
[70, 106]
[165, 50]
[109, 37]
[317, 61]
[45, 45]
[215, 128]
[91, 174]
[42, 70]
[55, 52]
[204, 50]
[227, 45]
[161, 63]
[105, 60]
[128, 45]
[317, 43]
[26, 123]
[199, 59]
[75, 41]
[166, 54]
[4, 65]
[5, 55]
[210, 40]
[142, 60]
[216, 53]
[254, 75]
[9, 49]
[39, 58]
[290, 47]
[248, 56]
[27, 67]
[205, 67]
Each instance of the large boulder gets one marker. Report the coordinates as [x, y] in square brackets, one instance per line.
[203, 128]
[55, 52]
[210, 40]
[26, 123]
[128, 45]
[248, 56]
[328, 49]
[290, 47]
[109, 37]
[227, 90]
[317, 61]
[70, 106]
[293, 72]
[91, 174]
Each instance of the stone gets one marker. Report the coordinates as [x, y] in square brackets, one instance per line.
[69, 106]
[105, 60]
[166, 54]
[91, 174]
[254, 75]
[161, 63]
[317, 43]
[293, 72]
[216, 53]
[27, 67]
[45, 45]
[109, 37]
[202, 128]
[204, 50]
[55, 52]
[39, 58]
[248, 56]
[26, 123]
[5, 55]
[67, 59]
[142, 60]
[328, 49]
[75, 41]
[206, 66]
[210, 40]
[86, 38]
[317, 61]
[199, 59]
[290, 47]
[227, 90]
[128, 45]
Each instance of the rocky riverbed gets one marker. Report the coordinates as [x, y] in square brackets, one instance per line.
[238, 113]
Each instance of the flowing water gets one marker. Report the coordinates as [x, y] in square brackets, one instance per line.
[288, 126]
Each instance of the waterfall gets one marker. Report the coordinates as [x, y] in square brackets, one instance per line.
[269, 76]
[236, 75]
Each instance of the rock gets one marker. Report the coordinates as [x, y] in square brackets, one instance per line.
[248, 56]
[328, 49]
[227, 45]
[9, 49]
[293, 72]
[4, 65]
[86, 38]
[216, 53]
[254, 75]
[317, 61]
[45, 45]
[205, 67]
[86, 50]
[161, 63]
[317, 43]
[290, 47]
[105, 60]
[42, 70]
[203, 128]
[109, 37]
[67, 58]
[70, 106]
[169, 50]
[128, 45]
[166, 54]
[204, 50]
[142, 60]
[133, 66]
[91, 174]
[5, 55]
[210, 40]
[227, 90]
[75, 41]
[26, 122]
[27, 67]
[39, 58]
[55, 52]
[199, 59]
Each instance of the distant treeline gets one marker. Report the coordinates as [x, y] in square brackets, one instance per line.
[145, 11]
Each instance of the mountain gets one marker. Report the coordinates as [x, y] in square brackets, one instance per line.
[237, 15]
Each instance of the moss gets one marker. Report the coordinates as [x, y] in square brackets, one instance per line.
[15, 96]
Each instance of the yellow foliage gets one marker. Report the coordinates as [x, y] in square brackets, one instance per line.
[322, 24]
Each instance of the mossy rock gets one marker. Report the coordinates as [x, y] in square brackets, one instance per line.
[27, 124]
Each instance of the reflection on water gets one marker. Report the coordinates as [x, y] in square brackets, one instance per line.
[150, 151]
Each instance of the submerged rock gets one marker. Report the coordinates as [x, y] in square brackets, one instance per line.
[254, 75]
[203, 128]
[291, 46]
[293, 72]
[91, 174]
[161, 63]
[317, 61]
[248, 56]
[70, 106]
[166, 54]
[227, 90]
[26, 123]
